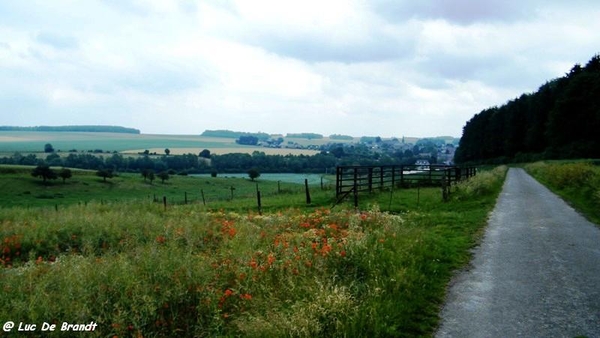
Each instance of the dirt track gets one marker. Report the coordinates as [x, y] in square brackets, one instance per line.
[535, 274]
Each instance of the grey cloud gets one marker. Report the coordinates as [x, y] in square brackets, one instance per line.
[457, 11]
[497, 71]
[57, 41]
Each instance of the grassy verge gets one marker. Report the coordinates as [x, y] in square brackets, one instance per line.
[137, 269]
[576, 182]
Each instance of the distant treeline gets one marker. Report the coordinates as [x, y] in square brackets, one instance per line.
[560, 120]
[94, 129]
[310, 136]
[226, 163]
[234, 134]
[341, 137]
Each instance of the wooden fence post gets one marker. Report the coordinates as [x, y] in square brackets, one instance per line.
[258, 201]
[401, 175]
[444, 187]
[185, 197]
[370, 179]
[308, 201]
[203, 200]
[165, 202]
[338, 181]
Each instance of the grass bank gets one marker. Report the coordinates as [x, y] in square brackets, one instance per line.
[576, 182]
[139, 270]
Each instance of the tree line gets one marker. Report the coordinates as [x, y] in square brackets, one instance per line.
[205, 162]
[560, 120]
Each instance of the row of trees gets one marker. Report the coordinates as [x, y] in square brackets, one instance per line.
[46, 173]
[560, 120]
[226, 163]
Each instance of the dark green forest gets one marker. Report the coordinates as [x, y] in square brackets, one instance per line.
[561, 120]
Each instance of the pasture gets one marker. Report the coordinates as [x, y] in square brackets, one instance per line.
[19, 188]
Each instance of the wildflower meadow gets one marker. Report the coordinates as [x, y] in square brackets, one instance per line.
[138, 270]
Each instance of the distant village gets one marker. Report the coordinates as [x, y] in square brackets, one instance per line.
[425, 151]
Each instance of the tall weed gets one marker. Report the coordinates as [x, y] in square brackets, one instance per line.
[484, 183]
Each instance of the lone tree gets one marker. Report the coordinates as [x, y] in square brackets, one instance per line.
[253, 173]
[167, 151]
[164, 176]
[146, 173]
[105, 173]
[44, 172]
[65, 173]
[151, 176]
[48, 148]
[204, 153]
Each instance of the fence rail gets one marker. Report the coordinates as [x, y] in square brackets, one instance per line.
[359, 179]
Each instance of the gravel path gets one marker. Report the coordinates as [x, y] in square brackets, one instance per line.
[535, 274]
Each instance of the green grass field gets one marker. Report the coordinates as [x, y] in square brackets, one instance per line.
[223, 270]
[19, 188]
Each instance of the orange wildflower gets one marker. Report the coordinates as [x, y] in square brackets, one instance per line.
[326, 249]
[253, 264]
[231, 232]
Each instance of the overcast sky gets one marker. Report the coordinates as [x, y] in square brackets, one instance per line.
[379, 68]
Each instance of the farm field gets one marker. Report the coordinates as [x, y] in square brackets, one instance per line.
[26, 142]
[138, 269]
